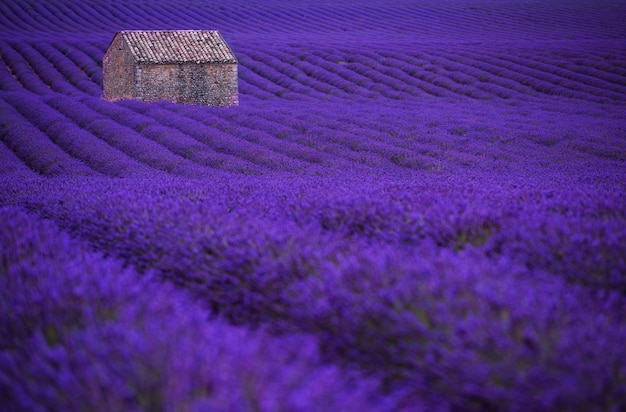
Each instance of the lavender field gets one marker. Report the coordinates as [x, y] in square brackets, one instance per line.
[417, 206]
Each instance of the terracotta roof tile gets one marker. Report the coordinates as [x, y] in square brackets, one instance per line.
[178, 46]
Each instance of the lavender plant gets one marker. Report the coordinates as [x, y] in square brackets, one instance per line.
[81, 331]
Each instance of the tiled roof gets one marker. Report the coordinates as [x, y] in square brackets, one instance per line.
[178, 46]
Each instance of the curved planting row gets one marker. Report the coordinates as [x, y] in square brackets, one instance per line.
[224, 137]
[67, 68]
[73, 140]
[304, 72]
[300, 137]
[430, 21]
[133, 116]
[8, 81]
[477, 72]
[85, 57]
[251, 126]
[486, 295]
[72, 70]
[73, 320]
[34, 147]
[550, 79]
[123, 138]
[11, 164]
[21, 71]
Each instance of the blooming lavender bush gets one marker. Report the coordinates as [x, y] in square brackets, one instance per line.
[81, 331]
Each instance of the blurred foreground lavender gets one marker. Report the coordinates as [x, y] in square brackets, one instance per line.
[80, 331]
[450, 292]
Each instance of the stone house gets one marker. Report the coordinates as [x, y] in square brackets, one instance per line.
[182, 66]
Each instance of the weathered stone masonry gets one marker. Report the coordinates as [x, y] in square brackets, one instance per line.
[192, 67]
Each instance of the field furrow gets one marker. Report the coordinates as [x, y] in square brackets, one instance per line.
[74, 140]
[543, 79]
[12, 165]
[35, 148]
[123, 138]
[69, 70]
[22, 71]
[222, 137]
[43, 68]
[83, 62]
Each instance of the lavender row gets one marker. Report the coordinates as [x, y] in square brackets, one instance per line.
[317, 140]
[16, 18]
[43, 69]
[251, 83]
[543, 82]
[54, 70]
[315, 135]
[389, 73]
[69, 70]
[411, 280]
[75, 322]
[8, 81]
[230, 139]
[136, 115]
[11, 164]
[430, 22]
[481, 73]
[318, 70]
[270, 80]
[478, 74]
[21, 71]
[289, 75]
[460, 66]
[302, 136]
[124, 138]
[310, 79]
[484, 335]
[250, 125]
[73, 140]
[571, 234]
[35, 148]
[594, 76]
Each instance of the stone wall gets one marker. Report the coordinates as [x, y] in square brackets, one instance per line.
[189, 83]
[118, 72]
